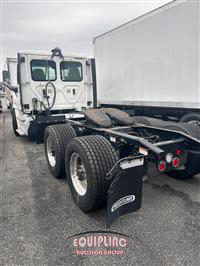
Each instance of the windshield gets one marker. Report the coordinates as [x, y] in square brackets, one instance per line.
[71, 71]
[43, 70]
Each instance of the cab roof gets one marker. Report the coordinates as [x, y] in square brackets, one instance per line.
[43, 53]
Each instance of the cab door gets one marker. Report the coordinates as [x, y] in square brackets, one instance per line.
[35, 72]
[72, 85]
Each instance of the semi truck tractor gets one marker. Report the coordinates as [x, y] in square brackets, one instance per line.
[44, 83]
[95, 120]
[151, 64]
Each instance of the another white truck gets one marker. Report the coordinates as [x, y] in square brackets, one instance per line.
[151, 64]
[10, 80]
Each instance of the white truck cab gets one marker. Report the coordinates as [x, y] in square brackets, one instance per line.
[68, 74]
[49, 83]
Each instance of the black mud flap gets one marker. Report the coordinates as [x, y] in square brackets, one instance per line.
[38, 126]
[125, 192]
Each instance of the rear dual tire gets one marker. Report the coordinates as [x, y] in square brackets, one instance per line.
[193, 118]
[85, 160]
[97, 157]
[192, 165]
[56, 138]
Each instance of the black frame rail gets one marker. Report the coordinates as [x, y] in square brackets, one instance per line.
[155, 149]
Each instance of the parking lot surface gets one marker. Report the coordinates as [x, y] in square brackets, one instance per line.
[38, 215]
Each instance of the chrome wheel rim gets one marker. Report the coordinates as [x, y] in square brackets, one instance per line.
[51, 152]
[78, 174]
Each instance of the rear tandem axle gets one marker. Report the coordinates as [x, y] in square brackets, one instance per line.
[106, 165]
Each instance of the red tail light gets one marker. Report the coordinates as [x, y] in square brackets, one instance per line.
[176, 162]
[162, 166]
[178, 152]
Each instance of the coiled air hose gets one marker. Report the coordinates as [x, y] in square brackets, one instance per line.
[45, 95]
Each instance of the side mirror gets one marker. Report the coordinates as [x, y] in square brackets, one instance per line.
[13, 88]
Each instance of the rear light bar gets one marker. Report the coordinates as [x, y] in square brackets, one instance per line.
[171, 160]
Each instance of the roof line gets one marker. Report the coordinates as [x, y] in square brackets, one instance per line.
[137, 18]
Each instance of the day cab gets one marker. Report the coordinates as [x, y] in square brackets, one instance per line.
[43, 80]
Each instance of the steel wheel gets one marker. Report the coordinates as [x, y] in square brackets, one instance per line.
[51, 152]
[78, 174]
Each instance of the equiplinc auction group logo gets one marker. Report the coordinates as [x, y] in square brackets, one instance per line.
[99, 243]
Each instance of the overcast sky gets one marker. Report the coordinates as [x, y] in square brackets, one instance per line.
[70, 25]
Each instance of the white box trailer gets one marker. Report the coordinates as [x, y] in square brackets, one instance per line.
[152, 63]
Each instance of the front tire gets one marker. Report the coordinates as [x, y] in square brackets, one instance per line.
[94, 157]
[56, 138]
[14, 123]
